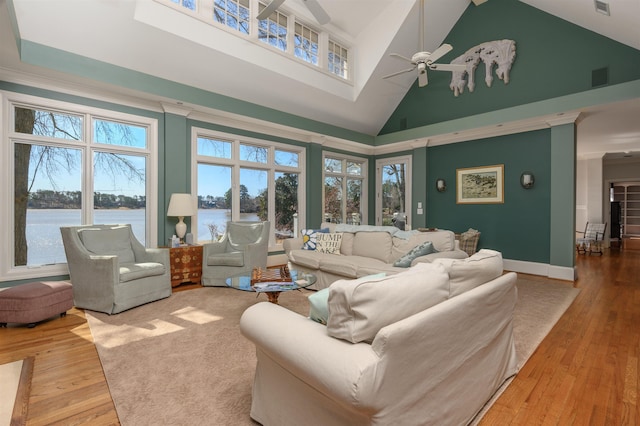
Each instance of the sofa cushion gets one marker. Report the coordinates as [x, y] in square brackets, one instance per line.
[346, 246]
[373, 244]
[309, 237]
[341, 265]
[466, 274]
[232, 258]
[359, 308]
[419, 250]
[306, 258]
[329, 242]
[134, 271]
[113, 241]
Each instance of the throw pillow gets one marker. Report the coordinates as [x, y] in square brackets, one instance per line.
[318, 306]
[359, 309]
[469, 273]
[309, 237]
[419, 250]
[329, 242]
[319, 301]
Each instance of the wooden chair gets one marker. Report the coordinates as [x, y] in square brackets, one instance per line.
[592, 238]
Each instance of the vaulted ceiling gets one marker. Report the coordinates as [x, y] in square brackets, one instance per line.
[151, 38]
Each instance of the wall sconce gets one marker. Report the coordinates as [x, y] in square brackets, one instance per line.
[441, 185]
[527, 180]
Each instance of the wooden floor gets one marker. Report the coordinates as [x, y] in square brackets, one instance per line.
[584, 372]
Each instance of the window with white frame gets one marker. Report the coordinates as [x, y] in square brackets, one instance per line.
[233, 13]
[67, 164]
[338, 59]
[306, 43]
[188, 4]
[273, 30]
[345, 189]
[282, 30]
[245, 179]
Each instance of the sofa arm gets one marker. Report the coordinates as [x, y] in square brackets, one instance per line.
[450, 254]
[291, 244]
[303, 348]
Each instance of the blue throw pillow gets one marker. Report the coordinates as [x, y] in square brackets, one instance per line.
[309, 241]
[417, 251]
[319, 306]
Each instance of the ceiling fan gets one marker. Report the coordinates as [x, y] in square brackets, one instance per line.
[426, 60]
[314, 7]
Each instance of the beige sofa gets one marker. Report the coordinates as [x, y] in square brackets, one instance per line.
[427, 346]
[367, 250]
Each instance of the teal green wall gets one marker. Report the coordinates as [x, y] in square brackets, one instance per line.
[563, 195]
[553, 58]
[519, 227]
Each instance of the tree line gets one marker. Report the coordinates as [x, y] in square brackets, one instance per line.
[49, 199]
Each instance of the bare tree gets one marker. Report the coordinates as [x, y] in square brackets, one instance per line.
[33, 159]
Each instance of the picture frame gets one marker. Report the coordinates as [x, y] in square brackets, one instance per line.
[480, 185]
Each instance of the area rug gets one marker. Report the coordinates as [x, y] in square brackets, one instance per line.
[15, 378]
[182, 360]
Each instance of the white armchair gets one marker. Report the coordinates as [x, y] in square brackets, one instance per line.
[111, 271]
[244, 246]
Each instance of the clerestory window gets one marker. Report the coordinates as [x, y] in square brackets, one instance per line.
[338, 59]
[273, 30]
[283, 31]
[306, 43]
[233, 13]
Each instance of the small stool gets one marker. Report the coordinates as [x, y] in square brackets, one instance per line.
[33, 302]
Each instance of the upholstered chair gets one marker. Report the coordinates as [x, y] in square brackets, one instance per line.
[111, 271]
[244, 246]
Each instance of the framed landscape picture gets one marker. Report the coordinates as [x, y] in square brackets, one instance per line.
[480, 185]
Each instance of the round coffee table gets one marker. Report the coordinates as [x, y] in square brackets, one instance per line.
[299, 280]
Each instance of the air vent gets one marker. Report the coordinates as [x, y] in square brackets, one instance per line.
[600, 77]
[602, 7]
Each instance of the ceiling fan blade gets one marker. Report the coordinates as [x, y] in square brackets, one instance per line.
[447, 67]
[317, 11]
[395, 55]
[422, 78]
[267, 11]
[399, 72]
[440, 52]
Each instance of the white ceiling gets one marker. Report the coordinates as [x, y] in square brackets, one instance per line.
[146, 36]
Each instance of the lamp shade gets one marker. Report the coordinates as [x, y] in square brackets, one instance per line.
[180, 205]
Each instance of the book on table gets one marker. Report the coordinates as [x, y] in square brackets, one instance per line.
[274, 286]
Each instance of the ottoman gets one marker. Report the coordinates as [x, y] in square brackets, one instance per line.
[33, 302]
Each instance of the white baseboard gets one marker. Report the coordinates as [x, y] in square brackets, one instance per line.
[543, 269]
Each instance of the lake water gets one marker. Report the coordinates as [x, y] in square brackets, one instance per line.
[45, 242]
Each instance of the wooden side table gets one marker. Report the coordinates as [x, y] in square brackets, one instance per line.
[186, 264]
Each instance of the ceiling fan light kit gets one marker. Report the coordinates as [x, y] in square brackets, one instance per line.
[423, 60]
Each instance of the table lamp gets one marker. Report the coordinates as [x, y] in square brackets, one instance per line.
[180, 205]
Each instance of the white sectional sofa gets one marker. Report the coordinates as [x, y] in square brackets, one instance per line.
[427, 346]
[367, 250]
